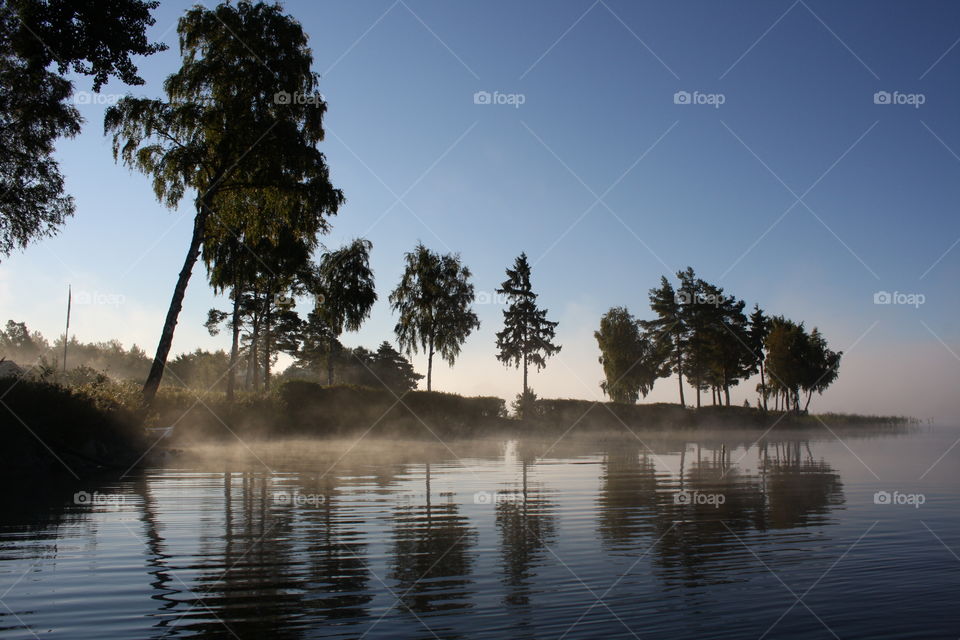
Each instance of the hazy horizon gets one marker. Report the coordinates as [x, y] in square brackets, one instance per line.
[805, 191]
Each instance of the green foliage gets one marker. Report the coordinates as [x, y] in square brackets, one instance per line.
[797, 361]
[19, 344]
[343, 287]
[525, 406]
[433, 302]
[90, 38]
[200, 369]
[224, 132]
[317, 409]
[706, 337]
[631, 361]
[386, 368]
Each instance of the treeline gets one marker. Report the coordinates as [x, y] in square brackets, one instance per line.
[200, 369]
[258, 216]
[702, 335]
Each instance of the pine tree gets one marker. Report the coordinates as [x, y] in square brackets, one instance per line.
[668, 329]
[527, 336]
[757, 334]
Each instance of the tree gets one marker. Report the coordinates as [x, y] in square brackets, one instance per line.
[632, 361]
[262, 279]
[222, 104]
[18, 342]
[822, 366]
[668, 329]
[201, 370]
[756, 336]
[393, 371]
[433, 302]
[786, 346]
[729, 358]
[91, 38]
[343, 287]
[527, 336]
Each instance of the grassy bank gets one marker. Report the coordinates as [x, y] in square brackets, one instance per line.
[99, 424]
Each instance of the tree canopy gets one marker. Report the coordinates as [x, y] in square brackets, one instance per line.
[433, 301]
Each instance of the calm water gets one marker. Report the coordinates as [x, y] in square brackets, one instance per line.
[707, 535]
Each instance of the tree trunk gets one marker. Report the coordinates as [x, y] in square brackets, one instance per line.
[524, 376]
[763, 386]
[806, 407]
[330, 349]
[266, 342]
[176, 304]
[234, 343]
[430, 366]
[726, 393]
[255, 346]
[680, 377]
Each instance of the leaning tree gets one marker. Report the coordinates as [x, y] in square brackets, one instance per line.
[224, 131]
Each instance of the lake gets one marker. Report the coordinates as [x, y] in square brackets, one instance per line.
[825, 533]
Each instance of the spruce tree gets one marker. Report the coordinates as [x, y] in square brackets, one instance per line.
[527, 336]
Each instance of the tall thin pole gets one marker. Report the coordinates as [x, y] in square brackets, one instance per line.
[66, 332]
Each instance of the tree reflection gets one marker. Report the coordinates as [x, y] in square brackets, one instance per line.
[431, 558]
[698, 512]
[526, 520]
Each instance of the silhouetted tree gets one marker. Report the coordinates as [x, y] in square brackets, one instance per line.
[668, 328]
[344, 290]
[222, 104]
[433, 301]
[756, 336]
[90, 38]
[393, 370]
[786, 347]
[822, 365]
[527, 335]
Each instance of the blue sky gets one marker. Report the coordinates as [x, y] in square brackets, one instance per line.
[799, 191]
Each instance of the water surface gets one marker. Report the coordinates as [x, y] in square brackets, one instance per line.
[652, 535]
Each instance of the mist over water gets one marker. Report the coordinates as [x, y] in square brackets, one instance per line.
[656, 535]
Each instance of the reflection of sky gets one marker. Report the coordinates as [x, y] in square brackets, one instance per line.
[664, 558]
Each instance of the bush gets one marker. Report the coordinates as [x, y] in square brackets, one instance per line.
[313, 408]
[85, 429]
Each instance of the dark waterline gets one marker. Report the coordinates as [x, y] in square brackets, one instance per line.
[655, 536]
